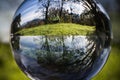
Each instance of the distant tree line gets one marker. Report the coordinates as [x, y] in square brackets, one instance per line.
[60, 15]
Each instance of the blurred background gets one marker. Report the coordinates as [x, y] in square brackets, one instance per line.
[10, 71]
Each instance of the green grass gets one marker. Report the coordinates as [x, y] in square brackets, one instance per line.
[8, 68]
[58, 29]
[10, 71]
[111, 70]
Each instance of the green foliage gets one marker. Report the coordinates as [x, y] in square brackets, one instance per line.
[58, 29]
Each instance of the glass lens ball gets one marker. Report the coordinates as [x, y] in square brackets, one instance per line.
[61, 39]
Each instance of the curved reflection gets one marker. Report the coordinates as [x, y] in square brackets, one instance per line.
[61, 39]
[53, 11]
[52, 56]
[83, 12]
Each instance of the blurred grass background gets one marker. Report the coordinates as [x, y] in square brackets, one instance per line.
[111, 71]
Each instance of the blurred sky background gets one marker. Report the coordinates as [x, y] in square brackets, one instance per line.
[8, 8]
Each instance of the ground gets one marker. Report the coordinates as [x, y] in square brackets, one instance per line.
[57, 29]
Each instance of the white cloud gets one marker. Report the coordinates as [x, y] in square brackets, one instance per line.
[77, 7]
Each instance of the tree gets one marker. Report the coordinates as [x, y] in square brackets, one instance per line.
[102, 21]
[46, 4]
[15, 42]
[16, 24]
[62, 2]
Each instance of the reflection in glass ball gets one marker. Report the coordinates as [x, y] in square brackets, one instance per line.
[61, 39]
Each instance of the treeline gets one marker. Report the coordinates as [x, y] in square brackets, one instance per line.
[54, 16]
[58, 14]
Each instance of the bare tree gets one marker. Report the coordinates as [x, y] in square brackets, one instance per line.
[61, 2]
[46, 4]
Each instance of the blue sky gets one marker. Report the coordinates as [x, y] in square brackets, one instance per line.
[28, 10]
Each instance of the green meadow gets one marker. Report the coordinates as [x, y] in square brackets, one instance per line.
[57, 29]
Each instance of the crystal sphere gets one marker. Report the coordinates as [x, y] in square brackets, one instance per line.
[61, 39]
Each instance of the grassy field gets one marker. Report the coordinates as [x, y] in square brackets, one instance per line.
[10, 71]
[8, 68]
[58, 29]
